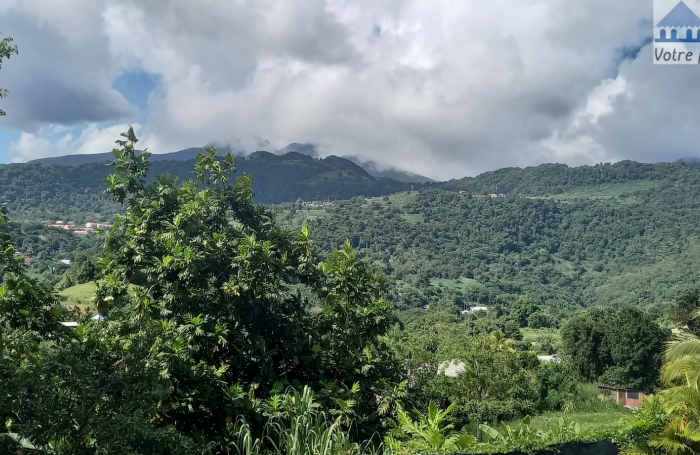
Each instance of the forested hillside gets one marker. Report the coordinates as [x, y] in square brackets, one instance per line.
[557, 178]
[632, 242]
[40, 192]
[608, 234]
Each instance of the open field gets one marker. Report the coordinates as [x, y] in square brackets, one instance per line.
[79, 296]
[461, 284]
[532, 334]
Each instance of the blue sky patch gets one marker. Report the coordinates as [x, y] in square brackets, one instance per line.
[7, 136]
[136, 86]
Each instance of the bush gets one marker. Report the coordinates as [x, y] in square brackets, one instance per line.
[557, 386]
[540, 320]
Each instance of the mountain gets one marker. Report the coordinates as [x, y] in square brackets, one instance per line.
[77, 160]
[690, 161]
[371, 167]
[189, 154]
[51, 191]
[392, 173]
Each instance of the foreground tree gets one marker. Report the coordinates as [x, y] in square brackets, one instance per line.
[490, 383]
[210, 307]
[669, 423]
[6, 51]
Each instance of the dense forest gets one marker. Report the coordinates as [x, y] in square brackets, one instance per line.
[610, 244]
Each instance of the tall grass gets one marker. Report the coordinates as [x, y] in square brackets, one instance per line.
[296, 426]
[586, 400]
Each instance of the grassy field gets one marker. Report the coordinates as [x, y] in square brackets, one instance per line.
[79, 296]
[461, 284]
[588, 410]
[589, 420]
[532, 334]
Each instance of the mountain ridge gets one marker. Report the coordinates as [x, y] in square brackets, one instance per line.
[189, 154]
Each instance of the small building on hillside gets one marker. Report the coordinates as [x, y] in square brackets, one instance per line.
[474, 309]
[549, 358]
[628, 398]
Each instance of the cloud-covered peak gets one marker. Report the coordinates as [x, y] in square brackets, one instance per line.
[442, 88]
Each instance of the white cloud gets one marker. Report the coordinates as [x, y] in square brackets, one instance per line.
[441, 88]
[55, 140]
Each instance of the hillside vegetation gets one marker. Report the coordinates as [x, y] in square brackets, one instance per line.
[223, 329]
[627, 241]
[49, 192]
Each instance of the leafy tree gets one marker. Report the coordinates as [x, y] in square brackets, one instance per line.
[557, 385]
[489, 378]
[6, 51]
[584, 343]
[636, 342]
[547, 344]
[29, 310]
[684, 312]
[539, 320]
[522, 309]
[82, 270]
[210, 307]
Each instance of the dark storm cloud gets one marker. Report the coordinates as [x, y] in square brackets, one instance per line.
[57, 81]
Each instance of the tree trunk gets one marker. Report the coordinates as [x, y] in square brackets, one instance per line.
[479, 435]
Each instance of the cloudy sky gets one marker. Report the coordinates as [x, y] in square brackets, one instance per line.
[444, 88]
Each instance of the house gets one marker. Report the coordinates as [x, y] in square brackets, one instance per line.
[28, 261]
[65, 261]
[474, 309]
[70, 325]
[549, 358]
[628, 398]
[493, 195]
[426, 307]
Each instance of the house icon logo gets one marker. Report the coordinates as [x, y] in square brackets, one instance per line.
[676, 32]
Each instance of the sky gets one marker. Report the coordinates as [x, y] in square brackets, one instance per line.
[443, 88]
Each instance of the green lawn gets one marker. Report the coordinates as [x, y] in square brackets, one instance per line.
[79, 296]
